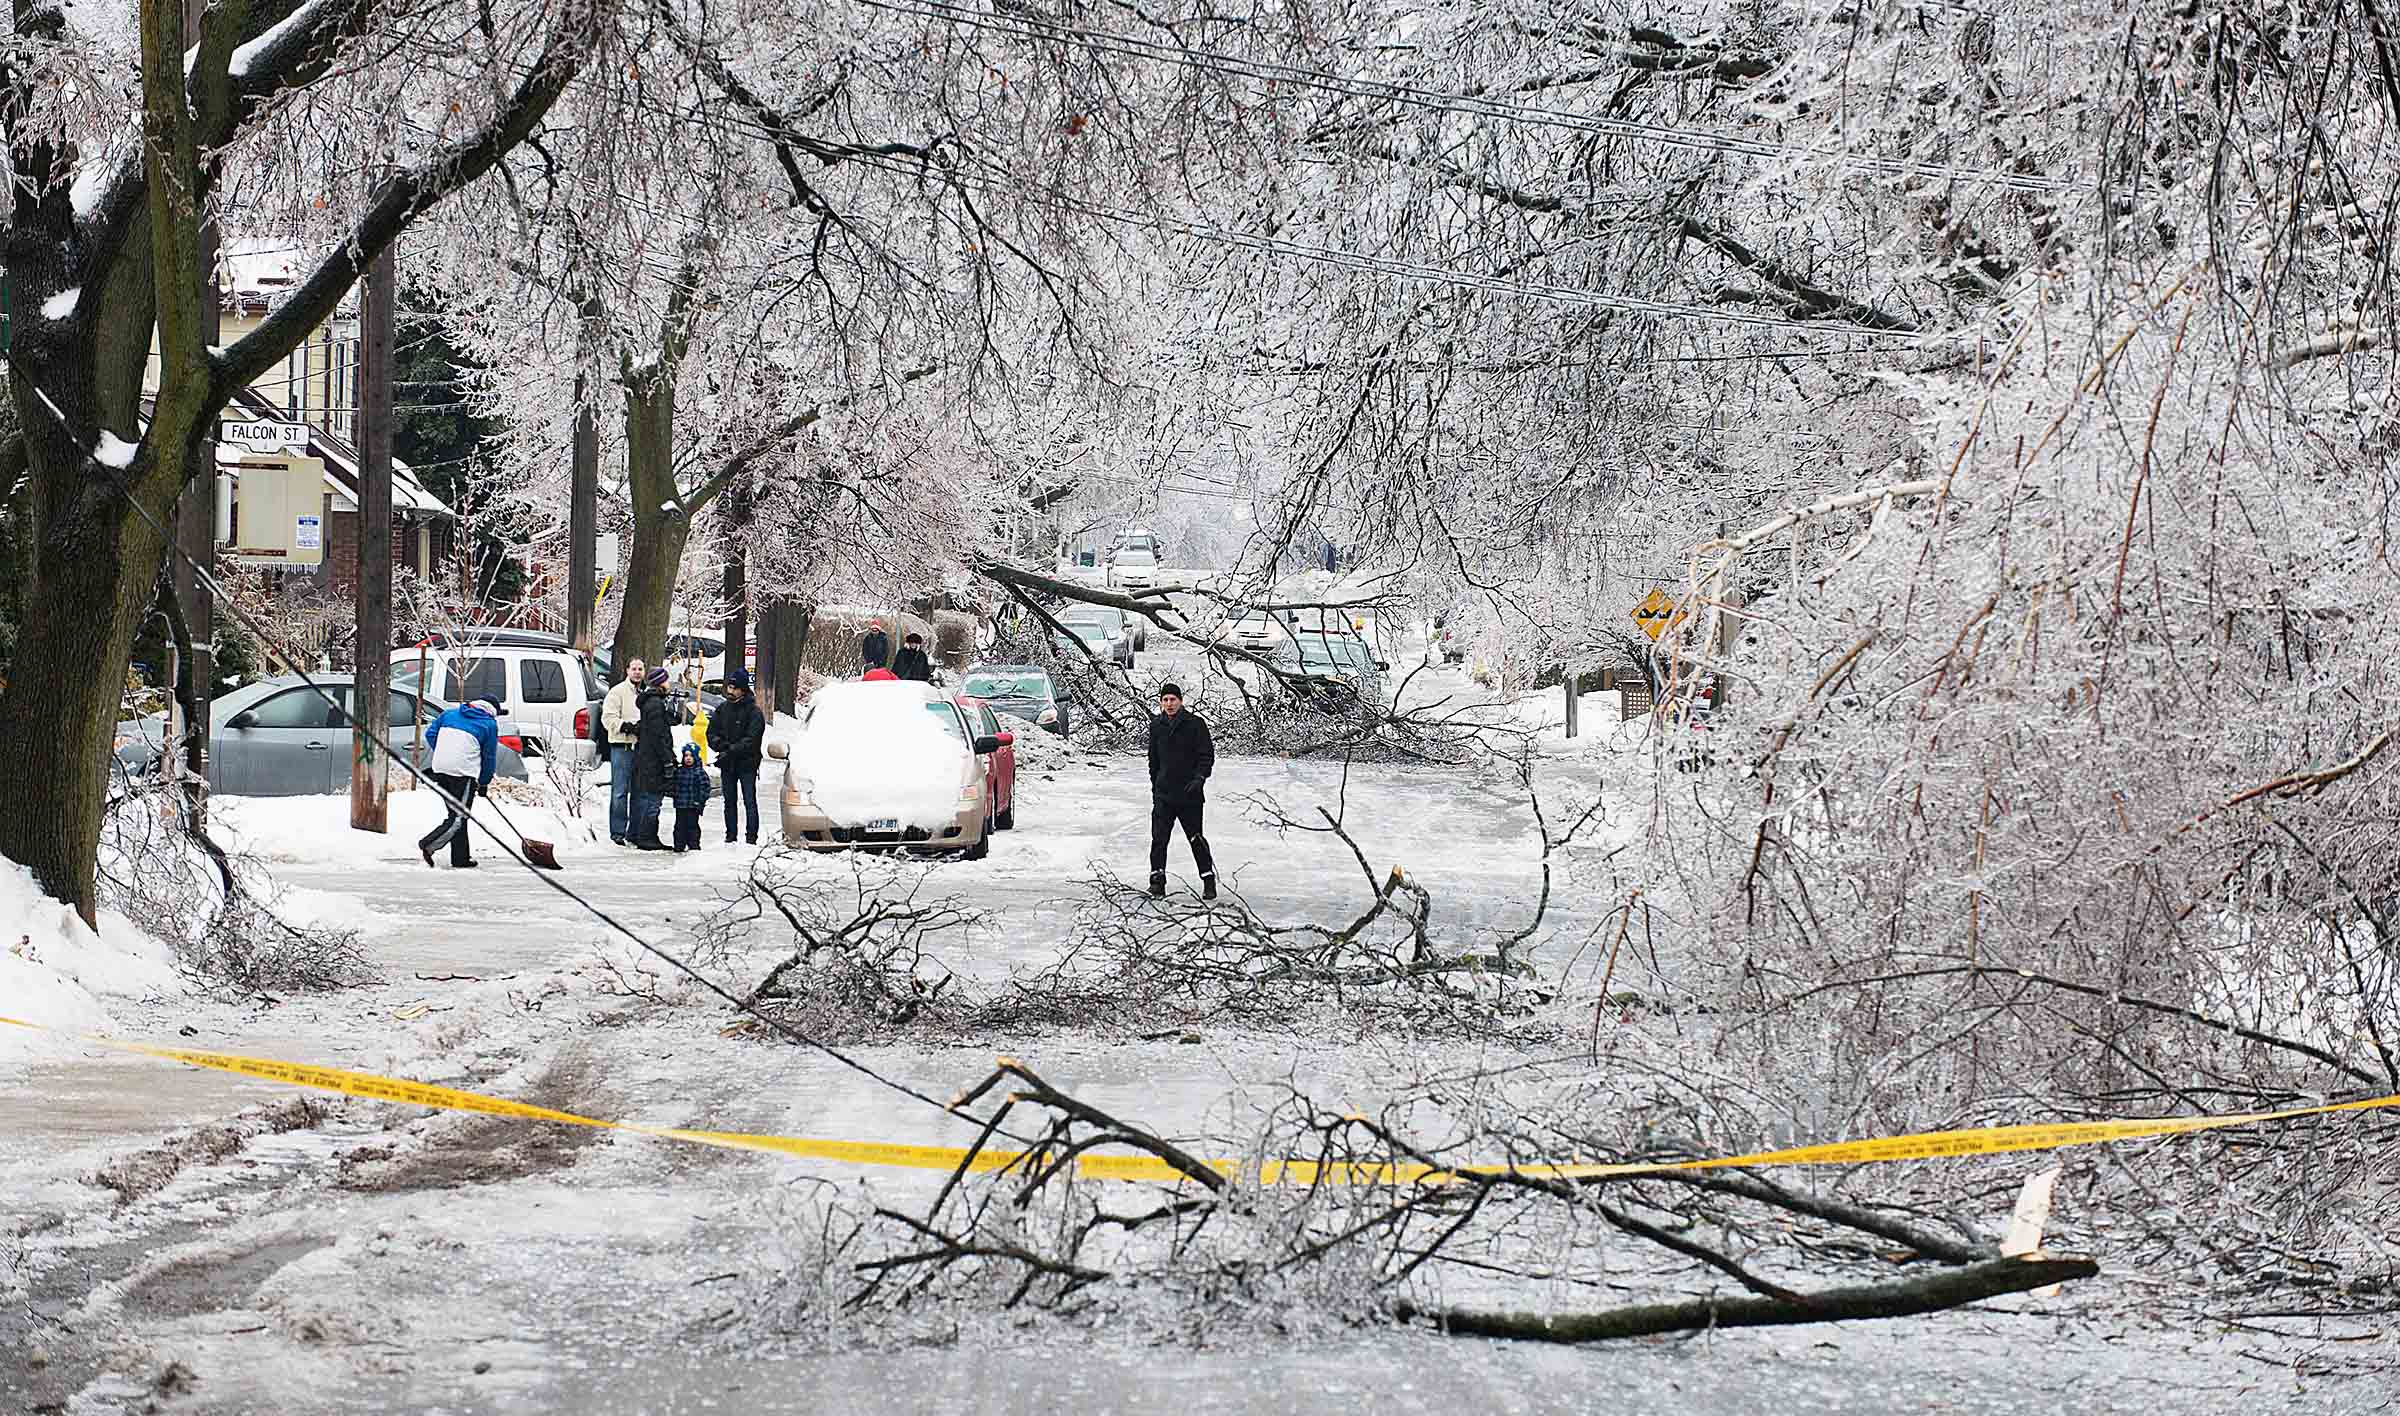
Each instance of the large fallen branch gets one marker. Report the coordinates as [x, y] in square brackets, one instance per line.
[1931, 1292]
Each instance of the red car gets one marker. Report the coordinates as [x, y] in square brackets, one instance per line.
[999, 768]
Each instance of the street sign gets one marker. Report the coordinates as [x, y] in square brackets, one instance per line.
[1658, 613]
[264, 436]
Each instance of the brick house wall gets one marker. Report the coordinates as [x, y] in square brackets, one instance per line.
[341, 548]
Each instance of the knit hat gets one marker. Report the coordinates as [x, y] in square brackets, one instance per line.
[690, 753]
[487, 706]
[1166, 688]
[657, 679]
[739, 678]
[880, 676]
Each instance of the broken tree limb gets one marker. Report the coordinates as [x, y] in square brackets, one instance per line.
[1932, 1292]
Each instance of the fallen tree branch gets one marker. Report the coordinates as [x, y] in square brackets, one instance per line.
[1932, 1292]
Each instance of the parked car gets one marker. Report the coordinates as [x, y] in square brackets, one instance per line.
[1099, 628]
[1336, 669]
[696, 655]
[1255, 630]
[279, 737]
[891, 766]
[538, 680]
[1021, 691]
[1000, 764]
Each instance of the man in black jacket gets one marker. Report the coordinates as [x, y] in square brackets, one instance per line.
[876, 648]
[735, 734]
[912, 662]
[1181, 756]
[653, 760]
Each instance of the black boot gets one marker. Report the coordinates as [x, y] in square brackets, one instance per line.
[1208, 887]
[1158, 885]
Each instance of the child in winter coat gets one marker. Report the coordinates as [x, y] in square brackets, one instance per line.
[691, 794]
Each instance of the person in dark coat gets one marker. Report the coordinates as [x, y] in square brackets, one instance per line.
[913, 663]
[737, 734]
[876, 648]
[1182, 755]
[691, 798]
[653, 760]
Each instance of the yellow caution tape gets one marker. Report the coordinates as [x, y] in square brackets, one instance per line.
[1922, 1145]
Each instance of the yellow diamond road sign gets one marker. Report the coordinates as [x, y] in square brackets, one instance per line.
[1657, 613]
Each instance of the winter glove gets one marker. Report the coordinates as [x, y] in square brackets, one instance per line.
[1194, 787]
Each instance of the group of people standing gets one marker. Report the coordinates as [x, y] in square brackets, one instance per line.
[645, 770]
[912, 663]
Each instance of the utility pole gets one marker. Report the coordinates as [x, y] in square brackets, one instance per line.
[196, 524]
[371, 678]
[583, 524]
[737, 577]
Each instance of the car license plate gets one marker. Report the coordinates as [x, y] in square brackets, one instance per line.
[888, 825]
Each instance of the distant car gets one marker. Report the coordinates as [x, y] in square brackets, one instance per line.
[1102, 629]
[891, 766]
[1000, 764]
[279, 737]
[1021, 691]
[1133, 568]
[1254, 630]
[1336, 670]
[537, 679]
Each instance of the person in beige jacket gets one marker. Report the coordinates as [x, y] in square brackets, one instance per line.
[621, 719]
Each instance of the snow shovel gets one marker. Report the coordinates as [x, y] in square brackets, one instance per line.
[539, 852]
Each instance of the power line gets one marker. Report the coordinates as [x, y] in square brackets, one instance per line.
[1022, 26]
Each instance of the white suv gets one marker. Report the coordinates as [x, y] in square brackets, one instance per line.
[537, 679]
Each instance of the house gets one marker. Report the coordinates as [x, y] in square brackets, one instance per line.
[287, 468]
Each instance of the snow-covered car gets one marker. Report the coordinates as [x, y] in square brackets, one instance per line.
[1021, 691]
[1102, 629]
[537, 679]
[279, 737]
[888, 766]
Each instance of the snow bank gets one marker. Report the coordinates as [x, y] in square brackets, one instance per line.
[55, 970]
[874, 751]
[62, 305]
[315, 830]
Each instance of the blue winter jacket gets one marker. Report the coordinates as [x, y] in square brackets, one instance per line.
[458, 724]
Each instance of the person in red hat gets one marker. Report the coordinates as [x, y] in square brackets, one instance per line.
[879, 674]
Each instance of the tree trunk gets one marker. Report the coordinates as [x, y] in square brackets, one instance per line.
[660, 526]
[98, 574]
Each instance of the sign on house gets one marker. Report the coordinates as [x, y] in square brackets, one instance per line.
[263, 435]
[307, 533]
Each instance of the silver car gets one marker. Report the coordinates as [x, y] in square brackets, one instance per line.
[279, 737]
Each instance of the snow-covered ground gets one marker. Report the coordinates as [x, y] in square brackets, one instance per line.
[164, 1225]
